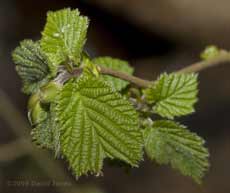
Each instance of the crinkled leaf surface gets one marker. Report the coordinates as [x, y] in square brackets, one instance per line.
[173, 95]
[64, 36]
[168, 142]
[46, 134]
[42, 134]
[31, 65]
[96, 122]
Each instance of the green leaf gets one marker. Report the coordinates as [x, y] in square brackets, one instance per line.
[115, 64]
[96, 122]
[46, 134]
[64, 36]
[173, 95]
[168, 142]
[31, 65]
[42, 134]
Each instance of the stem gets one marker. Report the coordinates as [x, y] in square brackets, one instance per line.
[133, 79]
[199, 66]
[196, 67]
[108, 71]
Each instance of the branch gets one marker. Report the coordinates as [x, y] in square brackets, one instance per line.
[196, 67]
[199, 66]
[133, 79]
[108, 71]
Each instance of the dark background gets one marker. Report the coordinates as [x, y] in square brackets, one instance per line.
[155, 36]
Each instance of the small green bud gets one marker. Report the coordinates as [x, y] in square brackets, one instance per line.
[49, 92]
[33, 100]
[210, 52]
[37, 114]
[148, 95]
[90, 67]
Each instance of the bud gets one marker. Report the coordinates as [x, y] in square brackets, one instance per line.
[36, 114]
[91, 68]
[49, 92]
[210, 52]
[33, 100]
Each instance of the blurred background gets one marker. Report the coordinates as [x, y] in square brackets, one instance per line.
[155, 36]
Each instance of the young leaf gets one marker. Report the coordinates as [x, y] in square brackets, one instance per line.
[168, 142]
[64, 36]
[210, 52]
[96, 122]
[46, 134]
[173, 94]
[42, 134]
[115, 64]
[31, 65]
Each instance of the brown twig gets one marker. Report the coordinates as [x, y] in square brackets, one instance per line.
[108, 71]
[133, 79]
[199, 66]
[196, 67]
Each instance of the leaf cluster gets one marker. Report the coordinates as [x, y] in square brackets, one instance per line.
[90, 116]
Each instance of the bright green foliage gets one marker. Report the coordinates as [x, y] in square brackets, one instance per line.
[42, 134]
[115, 64]
[46, 133]
[86, 116]
[173, 94]
[168, 142]
[96, 122]
[210, 52]
[31, 65]
[64, 37]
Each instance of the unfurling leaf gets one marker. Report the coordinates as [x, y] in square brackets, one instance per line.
[46, 133]
[115, 64]
[64, 37]
[173, 95]
[31, 65]
[210, 52]
[42, 134]
[96, 122]
[168, 142]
